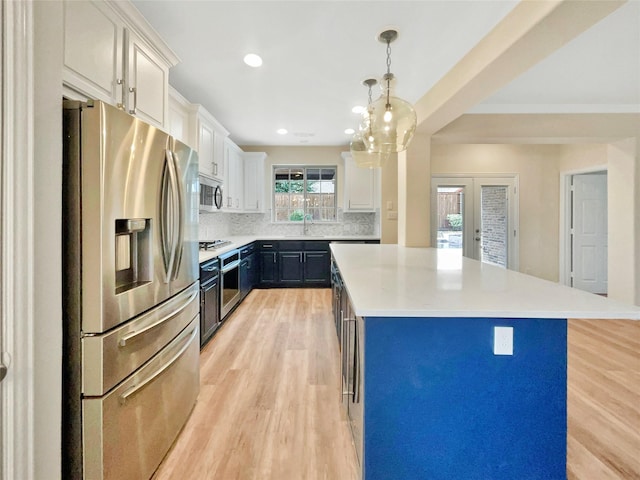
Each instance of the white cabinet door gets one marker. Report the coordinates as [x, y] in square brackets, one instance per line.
[111, 54]
[233, 180]
[93, 65]
[219, 137]
[205, 149]
[254, 181]
[211, 143]
[147, 82]
[360, 187]
[181, 125]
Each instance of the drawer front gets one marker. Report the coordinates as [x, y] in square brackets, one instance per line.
[268, 245]
[317, 245]
[292, 245]
[108, 359]
[127, 432]
[247, 250]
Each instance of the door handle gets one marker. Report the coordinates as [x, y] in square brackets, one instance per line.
[134, 110]
[477, 239]
[178, 209]
[3, 371]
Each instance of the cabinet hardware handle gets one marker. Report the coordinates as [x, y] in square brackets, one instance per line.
[300, 257]
[215, 168]
[274, 258]
[120, 82]
[134, 90]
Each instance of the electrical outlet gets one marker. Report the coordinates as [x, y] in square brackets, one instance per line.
[503, 340]
[392, 215]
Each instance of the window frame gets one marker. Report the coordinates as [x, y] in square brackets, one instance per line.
[305, 168]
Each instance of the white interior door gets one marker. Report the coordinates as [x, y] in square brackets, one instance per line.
[589, 232]
[476, 217]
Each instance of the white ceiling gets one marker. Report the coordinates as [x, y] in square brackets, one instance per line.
[316, 54]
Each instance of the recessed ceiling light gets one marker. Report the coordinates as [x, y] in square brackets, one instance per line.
[358, 109]
[282, 131]
[349, 131]
[253, 60]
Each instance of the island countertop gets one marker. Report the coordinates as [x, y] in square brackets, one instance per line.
[396, 281]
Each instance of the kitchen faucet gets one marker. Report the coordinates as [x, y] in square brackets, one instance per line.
[305, 226]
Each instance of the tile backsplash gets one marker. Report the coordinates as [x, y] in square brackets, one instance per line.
[220, 225]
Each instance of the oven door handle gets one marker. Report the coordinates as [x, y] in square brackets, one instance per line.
[230, 266]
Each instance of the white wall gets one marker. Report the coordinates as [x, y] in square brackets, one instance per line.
[537, 168]
[622, 218]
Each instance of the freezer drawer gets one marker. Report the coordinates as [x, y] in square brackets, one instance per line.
[109, 358]
[127, 432]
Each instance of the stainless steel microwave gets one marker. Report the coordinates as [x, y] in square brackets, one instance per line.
[210, 194]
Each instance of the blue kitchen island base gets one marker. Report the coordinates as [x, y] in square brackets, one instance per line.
[438, 404]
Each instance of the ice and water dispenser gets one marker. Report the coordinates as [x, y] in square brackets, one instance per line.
[134, 262]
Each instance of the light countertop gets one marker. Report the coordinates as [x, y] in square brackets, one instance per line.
[390, 280]
[238, 241]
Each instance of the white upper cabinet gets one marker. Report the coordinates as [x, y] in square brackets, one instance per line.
[361, 187]
[111, 54]
[254, 181]
[181, 120]
[234, 168]
[210, 144]
[147, 82]
[93, 38]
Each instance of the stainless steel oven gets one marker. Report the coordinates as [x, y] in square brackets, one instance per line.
[229, 281]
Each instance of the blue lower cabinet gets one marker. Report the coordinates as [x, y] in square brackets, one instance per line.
[439, 405]
[268, 268]
[317, 267]
[291, 267]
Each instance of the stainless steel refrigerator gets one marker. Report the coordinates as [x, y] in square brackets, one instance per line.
[130, 298]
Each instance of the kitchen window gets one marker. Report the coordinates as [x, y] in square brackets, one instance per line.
[302, 193]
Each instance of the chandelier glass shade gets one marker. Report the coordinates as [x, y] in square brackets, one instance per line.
[388, 124]
[364, 155]
[391, 124]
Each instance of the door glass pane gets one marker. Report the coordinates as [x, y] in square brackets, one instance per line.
[450, 218]
[494, 214]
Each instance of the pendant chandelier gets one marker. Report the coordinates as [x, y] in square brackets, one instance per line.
[363, 155]
[388, 124]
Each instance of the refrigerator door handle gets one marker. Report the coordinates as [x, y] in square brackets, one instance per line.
[178, 214]
[125, 338]
[168, 215]
[136, 388]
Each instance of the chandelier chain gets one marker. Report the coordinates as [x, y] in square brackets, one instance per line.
[388, 105]
[388, 57]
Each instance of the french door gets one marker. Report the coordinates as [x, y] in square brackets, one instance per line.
[476, 217]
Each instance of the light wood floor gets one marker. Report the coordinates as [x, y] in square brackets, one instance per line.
[269, 404]
[603, 400]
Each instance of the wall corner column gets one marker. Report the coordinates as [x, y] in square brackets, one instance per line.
[624, 230]
[414, 193]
